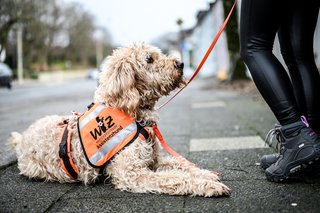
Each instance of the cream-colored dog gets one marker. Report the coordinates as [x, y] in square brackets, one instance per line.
[133, 80]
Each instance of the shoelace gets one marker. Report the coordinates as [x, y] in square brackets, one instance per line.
[275, 132]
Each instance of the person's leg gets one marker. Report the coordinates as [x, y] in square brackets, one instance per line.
[296, 36]
[259, 23]
[296, 40]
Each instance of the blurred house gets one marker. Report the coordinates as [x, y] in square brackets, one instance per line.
[168, 43]
[193, 43]
[196, 41]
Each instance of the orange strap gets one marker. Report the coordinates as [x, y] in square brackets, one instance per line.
[65, 154]
[213, 43]
[171, 151]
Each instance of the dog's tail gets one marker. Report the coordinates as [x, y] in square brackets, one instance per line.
[14, 139]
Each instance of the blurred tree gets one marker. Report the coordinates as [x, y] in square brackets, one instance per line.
[237, 69]
[12, 12]
[80, 28]
[40, 34]
[53, 33]
[107, 41]
[103, 44]
[179, 23]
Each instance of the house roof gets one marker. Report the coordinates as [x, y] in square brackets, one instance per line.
[200, 17]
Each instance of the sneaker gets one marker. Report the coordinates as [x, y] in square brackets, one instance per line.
[300, 146]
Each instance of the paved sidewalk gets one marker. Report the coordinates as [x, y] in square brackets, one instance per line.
[217, 129]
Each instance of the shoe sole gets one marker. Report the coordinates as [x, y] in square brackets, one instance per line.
[294, 167]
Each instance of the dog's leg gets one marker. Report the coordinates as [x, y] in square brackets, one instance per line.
[131, 170]
[173, 182]
[171, 163]
[162, 163]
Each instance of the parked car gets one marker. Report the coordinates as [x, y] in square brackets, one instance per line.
[5, 75]
[93, 74]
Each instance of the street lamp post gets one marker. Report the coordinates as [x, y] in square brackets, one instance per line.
[20, 54]
[180, 37]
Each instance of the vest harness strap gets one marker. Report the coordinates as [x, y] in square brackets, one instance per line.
[103, 132]
[64, 153]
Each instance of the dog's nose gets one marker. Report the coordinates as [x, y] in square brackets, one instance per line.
[179, 64]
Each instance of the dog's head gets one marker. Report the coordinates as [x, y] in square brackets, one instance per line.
[135, 77]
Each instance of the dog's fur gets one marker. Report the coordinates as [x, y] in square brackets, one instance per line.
[131, 82]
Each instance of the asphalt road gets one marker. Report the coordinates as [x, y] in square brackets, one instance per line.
[25, 103]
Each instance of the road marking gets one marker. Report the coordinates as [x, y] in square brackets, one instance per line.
[212, 104]
[228, 143]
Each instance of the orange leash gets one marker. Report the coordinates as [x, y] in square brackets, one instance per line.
[213, 43]
[171, 151]
[155, 128]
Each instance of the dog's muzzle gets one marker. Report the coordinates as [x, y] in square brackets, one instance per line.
[179, 65]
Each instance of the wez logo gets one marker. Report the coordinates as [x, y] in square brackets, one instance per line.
[103, 126]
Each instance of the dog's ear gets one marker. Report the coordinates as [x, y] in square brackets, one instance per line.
[118, 86]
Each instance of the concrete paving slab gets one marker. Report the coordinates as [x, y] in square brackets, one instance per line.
[252, 111]
[226, 143]
[232, 164]
[149, 203]
[178, 143]
[259, 196]
[20, 194]
[211, 104]
[216, 122]
[244, 164]
[103, 190]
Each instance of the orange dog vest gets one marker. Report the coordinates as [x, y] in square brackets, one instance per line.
[103, 132]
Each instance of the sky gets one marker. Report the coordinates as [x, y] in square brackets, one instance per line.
[131, 21]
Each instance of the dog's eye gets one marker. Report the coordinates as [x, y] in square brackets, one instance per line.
[149, 59]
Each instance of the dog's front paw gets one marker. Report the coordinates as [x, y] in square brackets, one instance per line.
[214, 176]
[209, 175]
[216, 189]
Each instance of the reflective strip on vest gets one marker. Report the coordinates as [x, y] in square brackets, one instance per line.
[113, 142]
[91, 116]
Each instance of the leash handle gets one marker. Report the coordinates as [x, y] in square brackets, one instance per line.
[171, 151]
[213, 43]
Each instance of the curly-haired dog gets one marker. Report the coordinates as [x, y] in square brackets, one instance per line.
[133, 79]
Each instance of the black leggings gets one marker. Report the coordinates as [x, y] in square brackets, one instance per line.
[295, 21]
